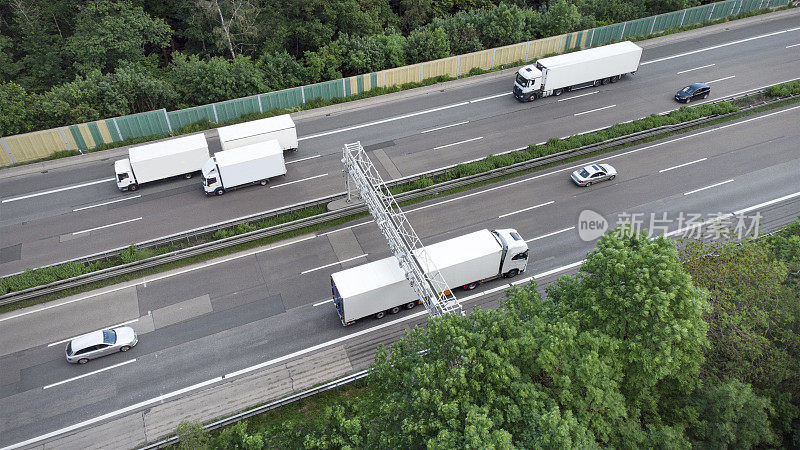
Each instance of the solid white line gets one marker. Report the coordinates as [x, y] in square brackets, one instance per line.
[491, 97]
[558, 269]
[333, 264]
[594, 110]
[721, 79]
[696, 68]
[708, 187]
[793, 45]
[330, 300]
[718, 46]
[767, 203]
[550, 234]
[298, 181]
[112, 326]
[456, 143]
[446, 126]
[57, 190]
[526, 209]
[682, 165]
[88, 374]
[576, 96]
[106, 203]
[106, 226]
[302, 159]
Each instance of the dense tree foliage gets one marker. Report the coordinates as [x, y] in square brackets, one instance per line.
[162, 48]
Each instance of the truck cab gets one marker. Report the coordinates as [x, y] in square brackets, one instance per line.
[515, 252]
[125, 179]
[527, 83]
[211, 180]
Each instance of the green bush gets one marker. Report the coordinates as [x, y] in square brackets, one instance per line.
[784, 90]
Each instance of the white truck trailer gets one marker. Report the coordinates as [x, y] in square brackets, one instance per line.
[251, 164]
[280, 128]
[381, 287]
[562, 73]
[180, 156]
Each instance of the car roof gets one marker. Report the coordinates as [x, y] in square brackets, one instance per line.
[698, 85]
[87, 340]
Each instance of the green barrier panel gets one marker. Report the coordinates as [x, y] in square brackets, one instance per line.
[668, 21]
[606, 34]
[326, 90]
[95, 132]
[76, 134]
[697, 15]
[373, 80]
[112, 128]
[359, 83]
[233, 109]
[566, 42]
[722, 9]
[182, 117]
[638, 27]
[287, 98]
[143, 124]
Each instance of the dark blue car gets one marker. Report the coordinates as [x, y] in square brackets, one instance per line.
[693, 92]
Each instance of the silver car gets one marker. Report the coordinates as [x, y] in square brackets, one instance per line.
[100, 343]
[595, 173]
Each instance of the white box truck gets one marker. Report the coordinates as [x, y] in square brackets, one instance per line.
[280, 128]
[381, 287]
[145, 163]
[251, 164]
[562, 73]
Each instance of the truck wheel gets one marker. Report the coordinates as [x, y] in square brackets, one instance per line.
[411, 305]
[133, 187]
[219, 191]
[558, 92]
[263, 182]
[512, 273]
[187, 176]
[470, 286]
[394, 310]
[380, 315]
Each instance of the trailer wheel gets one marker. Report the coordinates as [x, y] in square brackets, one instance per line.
[605, 81]
[263, 182]
[133, 187]
[470, 286]
[558, 92]
[411, 305]
[615, 78]
[219, 191]
[394, 310]
[380, 315]
[187, 176]
[512, 273]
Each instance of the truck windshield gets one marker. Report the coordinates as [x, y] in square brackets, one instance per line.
[521, 80]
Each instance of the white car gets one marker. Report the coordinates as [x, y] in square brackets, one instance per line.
[595, 173]
[100, 343]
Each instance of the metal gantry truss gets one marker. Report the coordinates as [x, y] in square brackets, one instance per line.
[421, 272]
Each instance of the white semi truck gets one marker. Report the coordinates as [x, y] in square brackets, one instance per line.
[381, 287]
[145, 163]
[562, 73]
[280, 128]
[251, 164]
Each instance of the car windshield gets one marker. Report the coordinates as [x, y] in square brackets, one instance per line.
[109, 337]
[584, 173]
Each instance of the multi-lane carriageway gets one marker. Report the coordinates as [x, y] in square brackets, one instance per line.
[68, 209]
[242, 314]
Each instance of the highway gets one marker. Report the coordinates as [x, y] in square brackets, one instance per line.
[226, 316]
[74, 209]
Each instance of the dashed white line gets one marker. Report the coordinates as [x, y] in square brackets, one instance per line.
[709, 187]
[112, 326]
[594, 110]
[333, 264]
[457, 143]
[576, 96]
[298, 181]
[793, 45]
[106, 203]
[106, 226]
[330, 300]
[446, 126]
[302, 159]
[682, 165]
[88, 374]
[550, 234]
[696, 68]
[721, 79]
[345, 228]
[527, 209]
[56, 190]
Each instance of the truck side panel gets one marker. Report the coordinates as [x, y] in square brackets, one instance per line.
[178, 159]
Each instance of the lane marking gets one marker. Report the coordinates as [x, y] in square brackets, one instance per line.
[491, 97]
[57, 190]
[576, 96]
[345, 228]
[709, 187]
[682, 165]
[87, 374]
[767, 203]
[333, 264]
[719, 46]
[527, 209]
[446, 126]
[298, 181]
[721, 79]
[107, 203]
[696, 68]
[106, 226]
[112, 326]
[302, 159]
[594, 110]
[550, 234]
[793, 45]
[456, 143]
[330, 300]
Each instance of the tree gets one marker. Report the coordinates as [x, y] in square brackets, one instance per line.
[142, 90]
[562, 17]
[110, 31]
[85, 99]
[427, 44]
[8, 66]
[192, 436]
[199, 82]
[281, 70]
[42, 60]
[234, 23]
[15, 112]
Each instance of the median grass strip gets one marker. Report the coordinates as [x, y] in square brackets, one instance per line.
[37, 277]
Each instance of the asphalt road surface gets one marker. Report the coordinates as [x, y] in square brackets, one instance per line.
[58, 211]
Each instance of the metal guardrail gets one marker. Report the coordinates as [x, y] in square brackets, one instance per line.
[195, 250]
